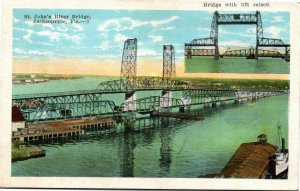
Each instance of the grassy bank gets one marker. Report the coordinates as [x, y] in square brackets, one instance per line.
[24, 151]
[235, 84]
[239, 84]
[56, 76]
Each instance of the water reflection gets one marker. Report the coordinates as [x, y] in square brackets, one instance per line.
[165, 135]
[127, 144]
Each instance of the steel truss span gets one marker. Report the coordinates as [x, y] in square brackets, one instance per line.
[232, 19]
[142, 83]
[72, 107]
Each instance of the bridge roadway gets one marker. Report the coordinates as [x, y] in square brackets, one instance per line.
[247, 53]
[87, 103]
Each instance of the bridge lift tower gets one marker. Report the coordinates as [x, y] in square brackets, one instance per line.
[233, 19]
[128, 64]
[169, 70]
[128, 70]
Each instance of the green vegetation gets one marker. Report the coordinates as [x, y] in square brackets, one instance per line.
[17, 152]
[22, 151]
[238, 84]
[46, 76]
[56, 76]
[235, 84]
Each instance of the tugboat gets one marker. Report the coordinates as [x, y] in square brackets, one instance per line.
[280, 161]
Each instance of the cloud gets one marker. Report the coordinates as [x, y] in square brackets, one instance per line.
[235, 44]
[77, 26]
[277, 19]
[28, 35]
[16, 20]
[120, 38]
[148, 52]
[32, 52]
[29, 23]
[128, 23]
[48, 25]
[203, 29]
[249, 32]
[55, 36]
[105, 45]
[273, 31]
[155, 38]
[166, 28]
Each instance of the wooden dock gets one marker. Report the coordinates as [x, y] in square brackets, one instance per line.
[61, 129]
[251, 160]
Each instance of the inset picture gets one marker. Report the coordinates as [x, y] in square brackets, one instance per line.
[239, 42]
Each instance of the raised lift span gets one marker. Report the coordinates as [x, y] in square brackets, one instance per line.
[198, 47]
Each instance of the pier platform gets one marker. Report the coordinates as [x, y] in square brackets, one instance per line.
[61, 128]
[251, 160]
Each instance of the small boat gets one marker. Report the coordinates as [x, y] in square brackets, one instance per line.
[280, 161]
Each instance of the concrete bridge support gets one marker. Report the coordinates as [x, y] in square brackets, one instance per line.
[207, 102]
[130, 104]
[165, 100]
[223, 101]
[187, 101]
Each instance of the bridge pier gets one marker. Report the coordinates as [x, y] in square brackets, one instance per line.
[186, 103]
[165, 100]
[130, 104]
[207, 101]
[214, 105]
[256, 50]
[237, 101]
[223, 101]
[189, 54]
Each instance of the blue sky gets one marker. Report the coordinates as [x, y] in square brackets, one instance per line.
[104, 35]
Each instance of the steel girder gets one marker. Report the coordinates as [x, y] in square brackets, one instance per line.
[201, 52]
[272, 42]
[128, 64]
[239, 53]
[31, 101]
[201, 42]
[142, 83]
[153, 103]
[235, 19]
[251, 51]
[169, 69]
[73, 110]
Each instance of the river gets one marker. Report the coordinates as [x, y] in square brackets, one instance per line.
[206, 64]
[183, 149]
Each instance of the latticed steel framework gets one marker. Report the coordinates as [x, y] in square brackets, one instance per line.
[233, 19]
[249, 53]
[169, 70]
[128, 64]
[71, 105]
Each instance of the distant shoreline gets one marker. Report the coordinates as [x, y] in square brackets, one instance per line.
[180, 76]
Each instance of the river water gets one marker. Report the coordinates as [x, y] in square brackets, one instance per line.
[205, 64]
[168, 149]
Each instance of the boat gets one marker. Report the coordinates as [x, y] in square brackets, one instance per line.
[280, 161]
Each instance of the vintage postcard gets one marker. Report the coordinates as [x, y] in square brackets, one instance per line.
[150, 95]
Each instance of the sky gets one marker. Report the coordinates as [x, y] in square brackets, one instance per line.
[104, 35]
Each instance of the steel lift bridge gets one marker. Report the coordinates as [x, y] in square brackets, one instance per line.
[89, 103]
[197, 46]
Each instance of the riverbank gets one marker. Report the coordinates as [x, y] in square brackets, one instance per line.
[238, 84]
[209, 81]
[23, 151]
